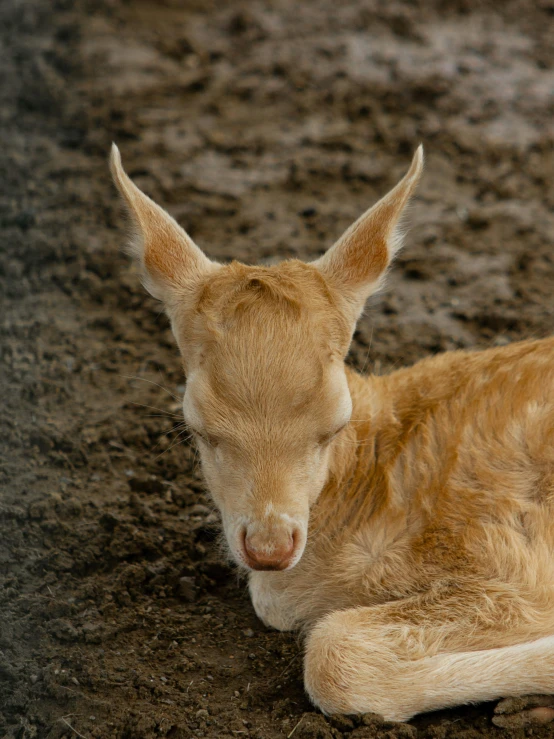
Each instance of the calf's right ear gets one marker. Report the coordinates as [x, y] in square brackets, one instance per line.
[170, 260]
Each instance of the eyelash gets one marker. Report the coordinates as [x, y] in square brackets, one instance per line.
[206, 439]
[329, 437]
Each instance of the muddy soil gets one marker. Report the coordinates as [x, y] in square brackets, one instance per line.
[265, 128]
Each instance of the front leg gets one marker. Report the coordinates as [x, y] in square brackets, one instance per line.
[403, 658]
[270, 601]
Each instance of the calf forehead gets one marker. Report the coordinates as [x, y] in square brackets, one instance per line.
[269, 341]
[270, 361]
[266, 389]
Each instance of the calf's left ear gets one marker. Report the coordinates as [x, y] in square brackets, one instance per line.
[356, 264]
[170, 260]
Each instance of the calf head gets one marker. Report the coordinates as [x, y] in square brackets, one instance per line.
[263, 352]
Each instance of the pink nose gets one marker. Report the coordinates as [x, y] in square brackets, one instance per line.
[263, 558]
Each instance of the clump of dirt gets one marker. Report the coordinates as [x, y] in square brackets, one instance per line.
[265, 128]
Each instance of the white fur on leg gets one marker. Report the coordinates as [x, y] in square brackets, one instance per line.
[345, 672]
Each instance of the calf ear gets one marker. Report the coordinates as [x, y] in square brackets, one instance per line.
[169, 258]
[357, 263]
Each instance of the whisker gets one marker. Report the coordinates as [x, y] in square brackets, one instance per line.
[368, 350]
[157, 384]
[156, 415]
[178, 443]
[183, 426]
[195, 460]
[360, 442]
[157, 444]
[154, 408]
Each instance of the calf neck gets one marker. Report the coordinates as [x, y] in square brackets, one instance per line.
[405, 522]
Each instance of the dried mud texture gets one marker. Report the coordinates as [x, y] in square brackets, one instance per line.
[265, 128]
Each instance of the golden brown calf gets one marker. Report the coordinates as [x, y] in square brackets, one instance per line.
[406, 522]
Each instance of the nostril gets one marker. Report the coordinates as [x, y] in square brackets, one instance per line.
[294, 539]
[248, 547]
[252, 552]
[274, 554]
[243, 540]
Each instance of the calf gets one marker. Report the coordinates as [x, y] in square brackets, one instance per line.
[404, 522]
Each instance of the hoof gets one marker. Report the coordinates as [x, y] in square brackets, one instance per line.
[516, 713]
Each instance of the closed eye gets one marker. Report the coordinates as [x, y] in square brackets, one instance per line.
[327, 438]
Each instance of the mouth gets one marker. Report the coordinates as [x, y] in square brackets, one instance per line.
[258, 566]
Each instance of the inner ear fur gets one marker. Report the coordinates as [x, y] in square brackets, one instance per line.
[357, 262]
[169, 258]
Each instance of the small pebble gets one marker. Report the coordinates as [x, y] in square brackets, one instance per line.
[199, 510]
[187, 589]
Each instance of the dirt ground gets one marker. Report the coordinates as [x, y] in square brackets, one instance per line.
[265, 127]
